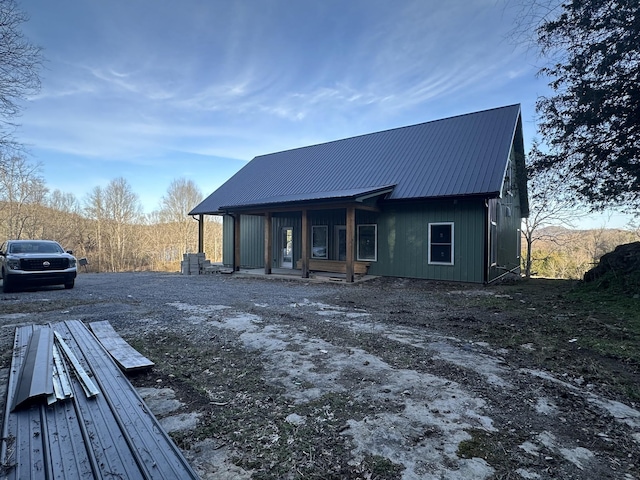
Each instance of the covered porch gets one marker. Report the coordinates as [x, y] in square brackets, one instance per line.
[297, 251]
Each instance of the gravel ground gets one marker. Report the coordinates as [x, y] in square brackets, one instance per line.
[386, 379]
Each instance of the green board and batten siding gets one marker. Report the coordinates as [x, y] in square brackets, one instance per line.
[403, 241]
[403, 236]
[251, 241]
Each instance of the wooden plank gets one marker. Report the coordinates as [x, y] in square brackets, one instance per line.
[335, 266]
[127, 357]
[351, 236]
[268, 243]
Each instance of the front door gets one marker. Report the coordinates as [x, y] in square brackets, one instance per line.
[286, 248]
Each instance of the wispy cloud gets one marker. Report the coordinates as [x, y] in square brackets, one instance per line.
[130, 83]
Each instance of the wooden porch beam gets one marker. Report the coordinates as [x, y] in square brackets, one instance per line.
[305, 244]
[236, 242]
[268, 242]
[337, 206]
[351, 235]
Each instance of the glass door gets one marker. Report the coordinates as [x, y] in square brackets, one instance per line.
[286, 248]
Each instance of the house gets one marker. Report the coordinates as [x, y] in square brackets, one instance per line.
[441, 200]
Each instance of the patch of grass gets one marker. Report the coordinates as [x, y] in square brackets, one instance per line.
[498, 449]
[584, 329]
[381, 468]
[612, 323]
[480, 445]
[626, 284]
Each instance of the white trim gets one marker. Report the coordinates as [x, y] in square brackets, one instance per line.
[375, 246]
[452, 244]
[283, 247]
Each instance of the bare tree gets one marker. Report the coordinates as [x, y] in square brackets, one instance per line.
[62, 221]
[95, 210]
[22, 191]
[182, 195]
[549, 205]
[122, 211]
[213, 237]
[19, 64]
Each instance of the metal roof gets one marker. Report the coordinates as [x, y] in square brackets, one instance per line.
[462, 155]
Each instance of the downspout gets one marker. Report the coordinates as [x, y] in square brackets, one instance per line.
[236, 242]
[201, 233]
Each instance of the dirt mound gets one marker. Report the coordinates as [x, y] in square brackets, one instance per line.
[623, 261]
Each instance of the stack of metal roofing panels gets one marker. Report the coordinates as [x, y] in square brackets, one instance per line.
[108, 435]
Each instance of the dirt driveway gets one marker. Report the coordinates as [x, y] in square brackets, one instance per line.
[388, 379]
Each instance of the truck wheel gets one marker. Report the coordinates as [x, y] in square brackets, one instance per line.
[6, 282]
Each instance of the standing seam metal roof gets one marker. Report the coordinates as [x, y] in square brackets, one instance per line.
[110, 435]
[462, 155]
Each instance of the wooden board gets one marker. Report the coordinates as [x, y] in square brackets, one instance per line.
[127, 357]
[335, 266]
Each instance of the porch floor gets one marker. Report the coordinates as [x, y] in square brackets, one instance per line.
[294, 274]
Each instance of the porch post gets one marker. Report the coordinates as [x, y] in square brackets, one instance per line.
[201, 233]
[236, 242]
[268, 241]
[305, 244]
[351, 234]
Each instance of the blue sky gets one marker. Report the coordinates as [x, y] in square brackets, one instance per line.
[154, 90]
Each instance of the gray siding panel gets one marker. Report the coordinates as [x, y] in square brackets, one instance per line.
[508, 217]
[227, 241]
[252, 241]
[111, 435]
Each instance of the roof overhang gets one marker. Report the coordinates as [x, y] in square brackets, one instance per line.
[304, 200]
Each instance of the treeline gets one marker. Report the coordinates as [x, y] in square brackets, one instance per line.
[108, 226]
[564, 253]
[109, 229]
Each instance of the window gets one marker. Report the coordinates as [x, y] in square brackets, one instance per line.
[367, 242]
[319, 241]
[441, 243]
